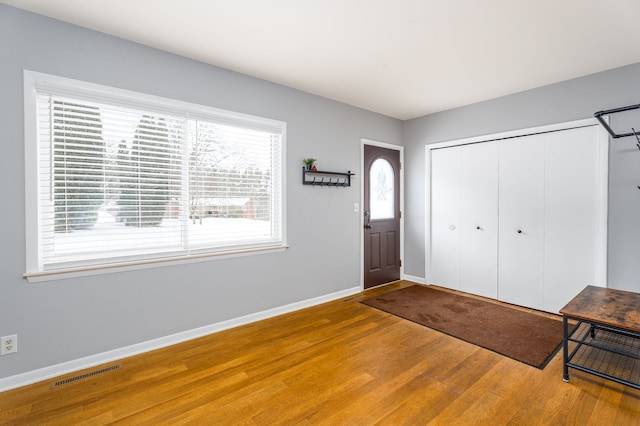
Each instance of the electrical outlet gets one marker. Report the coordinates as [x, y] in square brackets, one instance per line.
[9, 344]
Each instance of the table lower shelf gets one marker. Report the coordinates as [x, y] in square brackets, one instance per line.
[604, 351]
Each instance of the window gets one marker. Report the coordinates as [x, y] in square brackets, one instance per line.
[120, 177]
[382, 198]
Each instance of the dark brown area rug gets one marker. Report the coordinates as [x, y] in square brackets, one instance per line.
[526, 337]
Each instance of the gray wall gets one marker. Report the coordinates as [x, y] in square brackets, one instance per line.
[63, 320]
[569, 100]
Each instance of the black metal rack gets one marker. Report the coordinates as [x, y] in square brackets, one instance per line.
[609, 352]
[324, 178]
[600, 117]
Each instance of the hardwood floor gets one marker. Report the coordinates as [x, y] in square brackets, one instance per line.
[340, 363]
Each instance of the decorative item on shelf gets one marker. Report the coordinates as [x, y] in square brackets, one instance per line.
[314, 168]
[309, 163]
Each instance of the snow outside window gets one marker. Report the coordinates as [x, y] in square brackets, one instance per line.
[119, 177]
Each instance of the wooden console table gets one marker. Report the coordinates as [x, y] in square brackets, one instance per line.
[605, 340]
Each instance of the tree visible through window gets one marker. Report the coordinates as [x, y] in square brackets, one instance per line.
[144, 174]
[78, 161]
[119, 183]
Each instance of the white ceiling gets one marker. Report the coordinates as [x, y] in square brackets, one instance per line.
[402, 58]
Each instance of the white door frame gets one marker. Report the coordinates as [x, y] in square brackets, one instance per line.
[399, 148]
[603, 187]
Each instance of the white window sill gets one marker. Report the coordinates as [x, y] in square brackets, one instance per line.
[77, 272]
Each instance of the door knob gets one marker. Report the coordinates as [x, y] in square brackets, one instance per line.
[519, 231]
[478, 228]
[366, 215]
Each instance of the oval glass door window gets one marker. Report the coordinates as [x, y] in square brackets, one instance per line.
[381, 190]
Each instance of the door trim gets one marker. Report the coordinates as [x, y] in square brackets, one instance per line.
[399, 148]
[603, 182]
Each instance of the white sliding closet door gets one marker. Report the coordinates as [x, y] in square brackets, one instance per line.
[479, 219]
[445, 217]
[521, 218]
[464, 211]
[572, 216]
[522, 214]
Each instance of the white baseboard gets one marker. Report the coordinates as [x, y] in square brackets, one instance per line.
[418, 280]
[41, 374]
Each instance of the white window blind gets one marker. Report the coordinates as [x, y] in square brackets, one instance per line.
[120, 180]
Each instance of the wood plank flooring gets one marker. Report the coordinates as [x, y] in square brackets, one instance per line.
[340, 363]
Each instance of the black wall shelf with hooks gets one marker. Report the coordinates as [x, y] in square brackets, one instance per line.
[324, 178]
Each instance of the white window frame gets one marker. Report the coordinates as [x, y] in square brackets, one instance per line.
[34, 271]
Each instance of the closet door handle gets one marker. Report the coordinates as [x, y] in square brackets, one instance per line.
[519, 231]
[478, 228]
